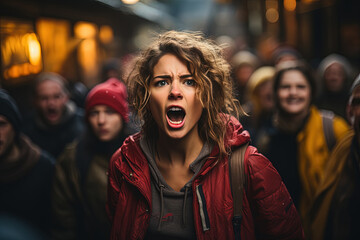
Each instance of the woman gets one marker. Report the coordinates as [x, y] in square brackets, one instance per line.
[79, 192]
[296, 142]
[335, 76]
[171, 180]
[243, 64]
[260, 104]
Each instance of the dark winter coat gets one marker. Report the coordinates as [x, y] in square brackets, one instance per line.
[54, 139]
[25, 186]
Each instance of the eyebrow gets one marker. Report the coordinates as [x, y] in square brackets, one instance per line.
[169, 77]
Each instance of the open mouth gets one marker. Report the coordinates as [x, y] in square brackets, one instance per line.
[175, 115]
[51, 111]
[51, 114]
[294, 101]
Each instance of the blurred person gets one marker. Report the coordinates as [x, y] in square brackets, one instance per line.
[172, 180]
[26, 174]
[335, 75]
[111, 69]
[265, 47]
[228, 46]
[78, 92]
[57, 121]
[296, 139]
[79, 191]
[243, 63]
[259, 104]
[335, 214]
[285, 53]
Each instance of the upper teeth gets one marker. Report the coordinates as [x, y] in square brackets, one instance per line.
[175, 109]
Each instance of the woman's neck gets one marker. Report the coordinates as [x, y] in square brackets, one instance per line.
[178, 151]
[290, 123]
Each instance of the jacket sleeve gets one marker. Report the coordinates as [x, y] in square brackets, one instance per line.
[275, 216]
[65, 197]
[113, 185]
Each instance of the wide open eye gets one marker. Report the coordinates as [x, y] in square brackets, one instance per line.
[190, 82]
[160, 83]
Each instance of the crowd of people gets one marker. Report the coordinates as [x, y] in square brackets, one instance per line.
[148, 156]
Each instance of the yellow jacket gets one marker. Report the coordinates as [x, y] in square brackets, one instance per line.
[326, 190]
[313, 155]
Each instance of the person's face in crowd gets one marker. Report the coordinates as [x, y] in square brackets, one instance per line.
[334, 77]
[173, 103]
[265, 95]
[7, 135]
[354, 111]
[243, 74]
[105, 122]
[294, 93]
[50, 101]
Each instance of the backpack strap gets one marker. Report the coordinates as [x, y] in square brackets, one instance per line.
[327, 121]
[238, 182]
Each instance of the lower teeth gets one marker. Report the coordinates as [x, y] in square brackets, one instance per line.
[175, 122]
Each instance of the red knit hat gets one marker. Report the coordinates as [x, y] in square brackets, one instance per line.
[111, 93]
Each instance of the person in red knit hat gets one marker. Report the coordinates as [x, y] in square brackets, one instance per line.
[111, 93]
[79, 191]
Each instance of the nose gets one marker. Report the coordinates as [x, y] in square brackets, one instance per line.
[51, 101]
[175, 91]
[293, 90]
[101, 118]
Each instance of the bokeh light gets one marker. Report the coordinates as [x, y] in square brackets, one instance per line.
[290, 5]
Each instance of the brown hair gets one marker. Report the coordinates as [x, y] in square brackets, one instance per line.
[210, 71]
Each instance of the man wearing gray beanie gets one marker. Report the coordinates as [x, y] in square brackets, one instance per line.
[26, 173]
[336, 210]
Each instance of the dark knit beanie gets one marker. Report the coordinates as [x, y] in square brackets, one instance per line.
[9, 109]
[111, 93]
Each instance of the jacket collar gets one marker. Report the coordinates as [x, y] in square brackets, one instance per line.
[136, 168]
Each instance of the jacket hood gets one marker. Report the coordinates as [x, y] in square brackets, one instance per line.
[236, 135]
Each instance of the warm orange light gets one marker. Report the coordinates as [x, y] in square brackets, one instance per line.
[34, 49]
[85, 30]
[21, 55]
[290, 5]
[55, 37]
[14, 71]
[106, 34]
[272, 15]
[88, 59]
[130, 1]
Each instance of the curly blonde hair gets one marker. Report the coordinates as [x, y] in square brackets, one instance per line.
[209, 69]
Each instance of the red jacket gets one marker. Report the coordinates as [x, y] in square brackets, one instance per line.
[268, 211]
